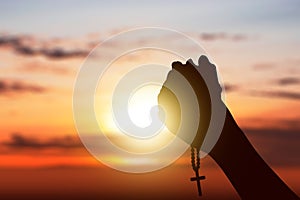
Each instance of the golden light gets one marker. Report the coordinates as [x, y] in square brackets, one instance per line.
[141, 103]
[139, 106]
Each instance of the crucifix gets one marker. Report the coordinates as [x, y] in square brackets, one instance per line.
[196, 167]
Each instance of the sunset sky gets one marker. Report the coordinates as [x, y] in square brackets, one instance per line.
[254, 44]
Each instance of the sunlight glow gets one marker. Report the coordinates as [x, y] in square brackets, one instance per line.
[141, 103]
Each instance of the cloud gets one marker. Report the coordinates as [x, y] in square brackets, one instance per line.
[25, 45]
[230, 87]
[292, 124]
[28, 45]
[44, 67]
[24, 50]
[19, 87]
[288, 81]
[222, 36]
[289, 65]
[277, 147]
[10, 40]
[238, 37]
[278, 94]
[264, 66]
[18, 140]
[60, 53]
[277, 123]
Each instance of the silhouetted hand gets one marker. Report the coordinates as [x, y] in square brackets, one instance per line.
[172, 106]
[247, 171]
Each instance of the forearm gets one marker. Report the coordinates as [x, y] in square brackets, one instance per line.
[247, 171]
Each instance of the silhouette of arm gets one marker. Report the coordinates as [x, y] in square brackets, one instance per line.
[247, 171]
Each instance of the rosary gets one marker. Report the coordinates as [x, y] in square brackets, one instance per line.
[196, 167]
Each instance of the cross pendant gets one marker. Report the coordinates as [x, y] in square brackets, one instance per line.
[198, 178]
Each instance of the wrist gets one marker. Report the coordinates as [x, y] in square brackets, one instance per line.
[247, 171]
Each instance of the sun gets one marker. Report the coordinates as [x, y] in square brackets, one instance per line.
[140, 104]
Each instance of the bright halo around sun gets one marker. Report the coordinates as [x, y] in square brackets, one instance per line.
[140, 104]
[115, 100]
[141, 100]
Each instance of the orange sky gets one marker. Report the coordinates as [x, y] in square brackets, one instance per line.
[38, 129]
[255, 47]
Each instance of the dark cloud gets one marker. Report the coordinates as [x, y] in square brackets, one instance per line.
[10, 40]
[222, 36]
[288, 81]
[278, 94]
[230, 87]
[18, 140]
[60, 53]
[277, 146]
[19, 87]
[22, 48]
